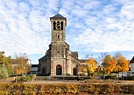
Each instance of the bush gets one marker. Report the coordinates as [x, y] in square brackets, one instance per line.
[67, 89]
[3, 72]
[68, 74]
[114, 77]
[25, 78]
[130, 77]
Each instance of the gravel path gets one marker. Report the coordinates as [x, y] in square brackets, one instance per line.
[72, 82]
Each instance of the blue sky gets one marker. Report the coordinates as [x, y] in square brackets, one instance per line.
[93, 26]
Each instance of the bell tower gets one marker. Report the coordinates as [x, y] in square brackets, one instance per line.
[58, 23]
[58, 59]
[58, 45]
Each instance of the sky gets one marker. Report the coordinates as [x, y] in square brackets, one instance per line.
[93, 26]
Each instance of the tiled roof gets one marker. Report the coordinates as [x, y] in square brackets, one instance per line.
[14, 61]
[83, 60]
[132, 60]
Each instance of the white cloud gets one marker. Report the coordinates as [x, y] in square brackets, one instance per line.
[106, 31]
[109, 9]
[128, 10]
[24, 7]
[93, 26]
[92, 5]
[23, 28]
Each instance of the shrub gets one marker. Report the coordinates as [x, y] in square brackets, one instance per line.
[130, 77]
[111, 77]
[66, 89]
[68, 74]
[25, 78]
[31, 75]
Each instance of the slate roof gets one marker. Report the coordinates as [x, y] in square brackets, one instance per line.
[58, 16]
[132, 60]
[75, 54]
[34, 65]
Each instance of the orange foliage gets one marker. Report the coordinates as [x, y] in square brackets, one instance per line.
[122, 64]
[82, 69]
[91, 65]
[21, 65]
[108, 64]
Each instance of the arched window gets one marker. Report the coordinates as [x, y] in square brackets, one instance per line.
[58, 36]
[61, 25]
[58, 70]
[58, 25]
[54, 25]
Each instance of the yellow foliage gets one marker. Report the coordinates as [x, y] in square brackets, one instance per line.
[21, 65]
[122, 64]
[117, 63]
[65, 89]
[108, 64]
[91, 65]
[82, 69]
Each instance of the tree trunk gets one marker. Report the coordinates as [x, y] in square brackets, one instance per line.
[103, 76]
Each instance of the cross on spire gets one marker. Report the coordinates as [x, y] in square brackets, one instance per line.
[58, 7]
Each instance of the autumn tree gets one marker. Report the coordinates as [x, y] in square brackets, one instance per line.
[82, 70]
[91, 65]
[108, 64]
[122, 64]
[102, 56]
[20, 65]
[5, 65]
[98, 69]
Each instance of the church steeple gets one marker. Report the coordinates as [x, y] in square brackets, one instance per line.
[58, 23]
[58, 59]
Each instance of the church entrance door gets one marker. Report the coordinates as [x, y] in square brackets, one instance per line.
[58, 70]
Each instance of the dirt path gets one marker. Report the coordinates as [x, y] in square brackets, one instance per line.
[72, 82]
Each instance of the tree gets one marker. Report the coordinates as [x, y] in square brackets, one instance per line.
[108, 64]
[122, 64]
[82, 70]
[20, 65]
[98, 69]
[5, 65]
[91, 65]
[102, 56]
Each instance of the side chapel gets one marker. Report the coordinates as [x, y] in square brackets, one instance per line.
[59, 59]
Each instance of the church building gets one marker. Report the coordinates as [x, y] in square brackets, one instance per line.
[59, 59]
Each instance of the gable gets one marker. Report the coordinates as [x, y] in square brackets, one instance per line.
[132, 60]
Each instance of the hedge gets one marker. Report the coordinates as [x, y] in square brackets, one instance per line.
[25, 78]
[64, 89]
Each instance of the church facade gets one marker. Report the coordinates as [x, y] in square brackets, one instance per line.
[59, 59]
